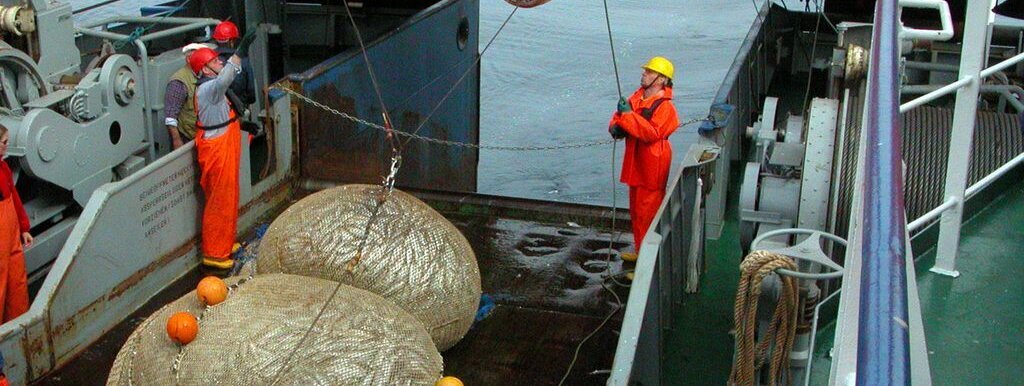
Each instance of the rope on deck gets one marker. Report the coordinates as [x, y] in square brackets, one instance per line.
[750, 354]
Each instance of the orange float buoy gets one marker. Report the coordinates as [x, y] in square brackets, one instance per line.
[212, 290]
[182, 327]
[448, 381]
[526, 4]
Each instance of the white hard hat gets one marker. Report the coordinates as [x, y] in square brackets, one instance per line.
[192, 47]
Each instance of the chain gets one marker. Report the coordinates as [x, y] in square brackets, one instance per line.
[456, 143]
[176, 365]
[389, 181]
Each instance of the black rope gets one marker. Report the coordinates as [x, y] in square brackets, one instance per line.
[611, 43]
[373, 79]
[461, 78]
[810, 59]
[614, 234]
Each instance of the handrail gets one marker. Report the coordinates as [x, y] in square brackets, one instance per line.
[883, 344]
[970, 192]
[945, 90]
[945, 18]
[662, 273]
[991, 177]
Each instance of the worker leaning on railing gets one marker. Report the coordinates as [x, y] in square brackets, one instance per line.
[219, 146]
[646, 120]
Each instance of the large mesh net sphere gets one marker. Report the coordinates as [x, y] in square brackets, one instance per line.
[265, 331]
[410, 254]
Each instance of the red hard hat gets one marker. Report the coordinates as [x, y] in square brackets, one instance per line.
[225, 31]
[200, 58]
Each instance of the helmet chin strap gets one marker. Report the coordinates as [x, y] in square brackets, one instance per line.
[648, 86]
[215, 72]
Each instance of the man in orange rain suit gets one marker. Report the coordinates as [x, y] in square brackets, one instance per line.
[645, 121]
[219, 147]
[14, 237]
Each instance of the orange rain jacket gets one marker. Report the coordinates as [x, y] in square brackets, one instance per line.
[648, 157]
[13, 222]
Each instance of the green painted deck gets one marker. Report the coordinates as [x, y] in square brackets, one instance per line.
[974, 324]
[700, 348]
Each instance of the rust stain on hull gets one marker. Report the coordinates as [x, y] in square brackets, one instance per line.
[164, 260]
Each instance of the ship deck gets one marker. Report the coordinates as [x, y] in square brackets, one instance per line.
[542, 264]
[972, 323]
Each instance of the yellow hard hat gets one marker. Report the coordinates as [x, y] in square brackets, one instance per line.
[661, 65]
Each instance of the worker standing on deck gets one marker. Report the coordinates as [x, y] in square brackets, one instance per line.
[179, 111]
[219, 146]
[646, 120]
[14, 237]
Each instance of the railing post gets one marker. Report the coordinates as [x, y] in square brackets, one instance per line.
[972, 57]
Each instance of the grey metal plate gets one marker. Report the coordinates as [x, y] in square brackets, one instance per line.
[780, 195]
[817, 171]
[787, 154]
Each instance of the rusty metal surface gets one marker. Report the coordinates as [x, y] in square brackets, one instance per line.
[334, 149]
[92, 366]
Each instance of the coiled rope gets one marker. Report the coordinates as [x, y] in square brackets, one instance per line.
[750, 355]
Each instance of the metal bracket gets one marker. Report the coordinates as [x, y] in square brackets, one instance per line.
[808, 250]
[946, 18]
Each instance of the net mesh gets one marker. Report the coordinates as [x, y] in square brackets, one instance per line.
[265, 334]
[409, 253]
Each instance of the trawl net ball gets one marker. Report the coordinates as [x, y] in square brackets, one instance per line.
[407, 253]
[265, 331]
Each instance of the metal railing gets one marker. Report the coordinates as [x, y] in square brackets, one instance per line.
[967, 88]
[669, 262]
[880, 339]
[883, 355]
[184, 24]
[743, 88]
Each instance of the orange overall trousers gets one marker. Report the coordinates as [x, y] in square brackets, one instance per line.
[13, 278]
[218, 164]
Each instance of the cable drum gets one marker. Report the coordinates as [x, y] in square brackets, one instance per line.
[407, 252]
[270, 330]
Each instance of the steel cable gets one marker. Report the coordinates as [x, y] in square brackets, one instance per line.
[456, 143]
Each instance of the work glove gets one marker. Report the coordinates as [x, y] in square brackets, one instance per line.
[243, 45]
[616, 131]
[624, 105]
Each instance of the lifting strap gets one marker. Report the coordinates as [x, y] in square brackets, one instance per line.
[649, 112]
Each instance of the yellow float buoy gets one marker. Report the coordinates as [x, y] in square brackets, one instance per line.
[448, 381]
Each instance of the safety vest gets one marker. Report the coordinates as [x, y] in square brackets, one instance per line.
[187, 117]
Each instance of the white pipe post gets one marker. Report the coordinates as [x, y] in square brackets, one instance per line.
[972, 56]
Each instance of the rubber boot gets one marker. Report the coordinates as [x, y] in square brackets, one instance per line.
[216, 267]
